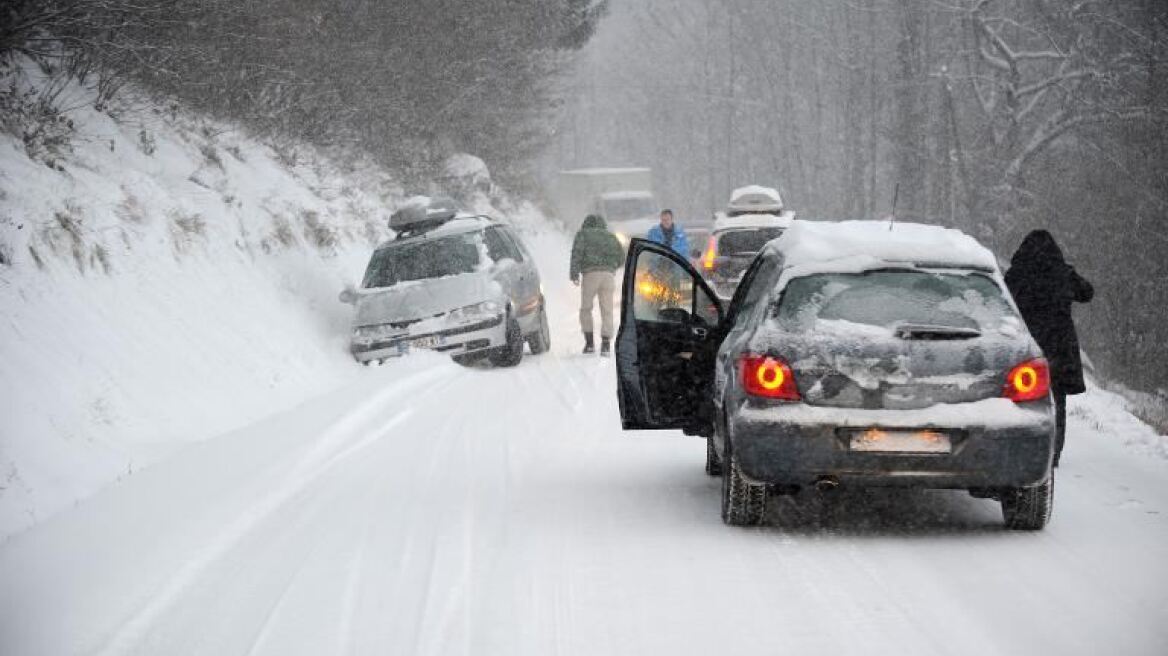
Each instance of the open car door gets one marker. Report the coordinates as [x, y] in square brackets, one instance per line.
[666, 344]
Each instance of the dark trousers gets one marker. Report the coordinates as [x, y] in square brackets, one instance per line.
[1060, 423]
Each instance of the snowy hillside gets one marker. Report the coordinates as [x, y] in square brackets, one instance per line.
[166, 279]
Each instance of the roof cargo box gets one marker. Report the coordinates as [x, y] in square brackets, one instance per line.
[754, 199]
[422, 211]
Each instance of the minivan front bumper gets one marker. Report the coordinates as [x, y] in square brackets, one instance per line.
[997, 445]
[460, 340]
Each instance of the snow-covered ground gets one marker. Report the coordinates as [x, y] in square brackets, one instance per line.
[191, 463]
[426, 508]
[157, 298]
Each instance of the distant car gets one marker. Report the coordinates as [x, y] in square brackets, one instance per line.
[463, 285]
[698, 235]
[754, 215]
[732, 245]
[630, 229]
[850, 354]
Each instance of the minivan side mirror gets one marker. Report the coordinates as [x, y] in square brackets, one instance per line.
[348, 295]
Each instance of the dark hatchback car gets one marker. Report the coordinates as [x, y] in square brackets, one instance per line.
[849, 355]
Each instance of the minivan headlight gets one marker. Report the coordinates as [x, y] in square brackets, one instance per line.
[375, 330]
[486, 308]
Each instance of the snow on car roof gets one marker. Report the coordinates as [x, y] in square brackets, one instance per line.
[781, 220]
[866, 244]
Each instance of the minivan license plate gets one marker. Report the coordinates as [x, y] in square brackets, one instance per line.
[901, 441]
[427, 342]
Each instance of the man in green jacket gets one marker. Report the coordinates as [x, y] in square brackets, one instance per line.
[596, 254]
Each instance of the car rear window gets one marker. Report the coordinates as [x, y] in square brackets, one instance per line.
[887, 299]
[746, 242]
[437, 258]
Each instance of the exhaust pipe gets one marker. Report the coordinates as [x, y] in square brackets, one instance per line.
[826, 483]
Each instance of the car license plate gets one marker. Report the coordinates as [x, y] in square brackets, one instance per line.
[901, 441]
[428, 342]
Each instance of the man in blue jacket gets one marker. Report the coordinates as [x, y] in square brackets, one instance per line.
[668, 233]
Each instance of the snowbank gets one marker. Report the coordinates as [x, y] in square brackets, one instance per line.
[1111, 413]
[166, 280]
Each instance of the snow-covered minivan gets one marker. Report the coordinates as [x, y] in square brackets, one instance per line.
[451, 282]
[853, 353]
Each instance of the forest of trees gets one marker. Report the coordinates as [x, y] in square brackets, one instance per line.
[994, 116]
[406, 81]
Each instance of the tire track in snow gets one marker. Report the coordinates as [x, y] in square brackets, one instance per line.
[306, 471]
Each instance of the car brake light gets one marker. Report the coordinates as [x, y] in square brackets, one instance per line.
[768, 377]
[1029, 381]
[711, 253]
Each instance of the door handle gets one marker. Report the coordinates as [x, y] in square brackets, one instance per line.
[700, 332]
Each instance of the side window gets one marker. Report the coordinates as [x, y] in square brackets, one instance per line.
[755, 284]
[499, 246]
[705, 307]
[665, 292]
[516, 245]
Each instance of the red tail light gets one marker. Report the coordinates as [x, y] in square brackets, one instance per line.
[1029, 381]
[768, 377]
[711, 253]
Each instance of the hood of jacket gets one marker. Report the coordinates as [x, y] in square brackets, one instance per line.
[594, 221]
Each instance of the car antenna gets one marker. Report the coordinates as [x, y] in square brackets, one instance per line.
[895, 197]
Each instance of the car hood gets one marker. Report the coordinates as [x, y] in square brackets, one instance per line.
[420, 299]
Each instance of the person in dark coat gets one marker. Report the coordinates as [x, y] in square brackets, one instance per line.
[596, 254]
[1044, 286]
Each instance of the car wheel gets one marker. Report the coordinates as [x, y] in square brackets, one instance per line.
[713, 464]
[510, 353]
[743, 503]
[1028, 508]
[541, 341]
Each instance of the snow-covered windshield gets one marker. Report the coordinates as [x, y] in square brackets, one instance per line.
[746, 242]
[445, 256]
[889, 298]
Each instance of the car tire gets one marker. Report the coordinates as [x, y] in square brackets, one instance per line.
[511, 352]
[743, 503]
[1028, 508]
[468, 359]
[713, 463]
[541, 340]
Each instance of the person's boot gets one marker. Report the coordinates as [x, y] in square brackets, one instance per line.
[588, 347]
[605, 346]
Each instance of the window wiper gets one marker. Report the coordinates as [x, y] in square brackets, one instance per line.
[933, 332]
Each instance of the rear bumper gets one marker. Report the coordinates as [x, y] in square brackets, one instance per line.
[1005, 454]
[473, 338]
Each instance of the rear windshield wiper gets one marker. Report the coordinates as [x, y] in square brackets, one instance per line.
[931, 332]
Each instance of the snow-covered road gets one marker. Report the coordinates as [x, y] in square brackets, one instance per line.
[425, 508]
